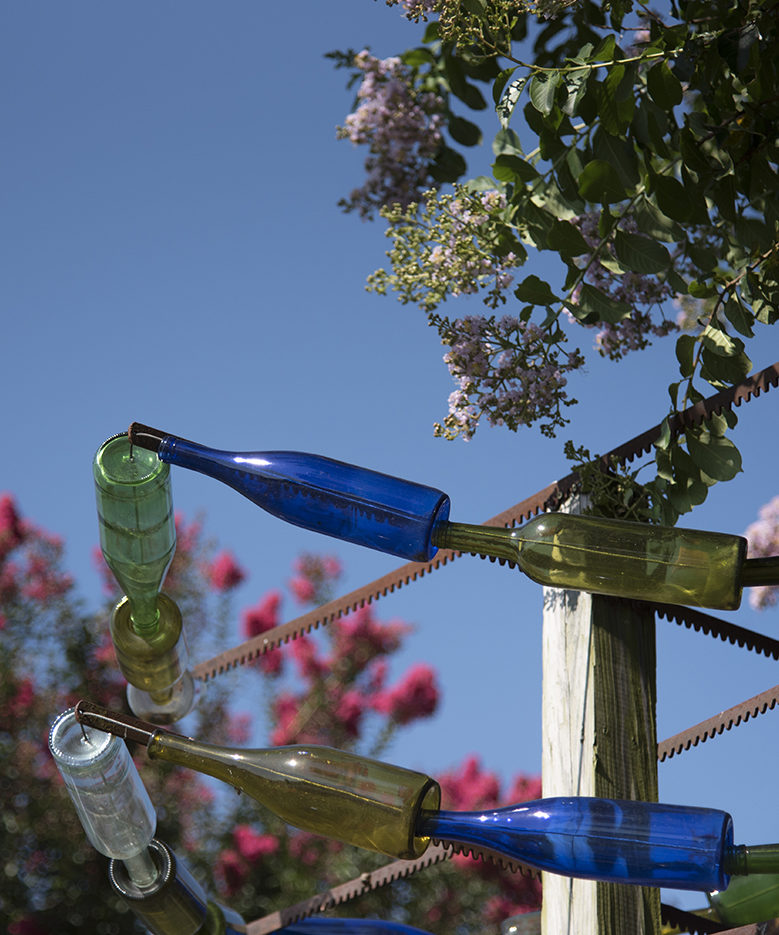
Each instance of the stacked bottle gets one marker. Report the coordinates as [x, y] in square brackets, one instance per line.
[138, 541]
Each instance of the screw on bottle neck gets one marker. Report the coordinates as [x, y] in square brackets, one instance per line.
[743, 859]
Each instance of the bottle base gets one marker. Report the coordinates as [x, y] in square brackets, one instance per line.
[181, 699]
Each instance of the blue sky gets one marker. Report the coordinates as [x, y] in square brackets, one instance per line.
[173, 254]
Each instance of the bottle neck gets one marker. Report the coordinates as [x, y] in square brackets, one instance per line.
[760, 571]
[743, 859]
[491, 541]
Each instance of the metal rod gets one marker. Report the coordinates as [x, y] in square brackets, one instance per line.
[122, 725]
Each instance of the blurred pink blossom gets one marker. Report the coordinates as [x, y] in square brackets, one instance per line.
[416, 696]
[258, 619]
[225, 573]
[302, 589]
[253, 846]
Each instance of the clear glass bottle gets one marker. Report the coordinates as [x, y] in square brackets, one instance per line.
[110, 799]
[331, 497]
[611, 556]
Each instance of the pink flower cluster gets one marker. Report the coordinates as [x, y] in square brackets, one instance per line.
[415, 696]
[29, 561]
[258, 619]
[224, 572]
[763, 536]
[236, 863]
[634, 289]
[402, 129]
[314, 578]
[506, 369]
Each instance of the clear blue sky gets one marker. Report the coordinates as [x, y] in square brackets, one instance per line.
[173, 253]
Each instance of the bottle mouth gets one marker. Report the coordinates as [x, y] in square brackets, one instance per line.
[77, 747]
[119, 462]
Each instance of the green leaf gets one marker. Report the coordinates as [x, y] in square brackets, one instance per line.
[685, 354]
[618, 152]
[724, 371]
[672, 198]
[663, 86]
[536, 291]
[509, 168]
[739, 317]
[702, 257]
[721, 343]
[463, 131]
[505, 106]
[664, 439]
[654, 223]
[717, 457]
[416, 57]
[691, 153]
[600, 183]
[594, 306]
[640, 254]
[543, 88]
[506, 141]
[566, 239]
[448, 166]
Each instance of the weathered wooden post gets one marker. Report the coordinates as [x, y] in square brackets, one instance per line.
[599, 739]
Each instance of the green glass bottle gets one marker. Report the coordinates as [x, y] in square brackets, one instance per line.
[610, 556]
[138, 541]
[137, 529]
[747, 899]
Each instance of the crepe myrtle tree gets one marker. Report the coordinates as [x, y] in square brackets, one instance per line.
[335, 689]
[637, 147]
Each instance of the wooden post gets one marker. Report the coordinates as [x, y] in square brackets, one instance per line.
[599, 739]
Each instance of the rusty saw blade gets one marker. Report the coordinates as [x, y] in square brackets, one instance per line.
[544, 499]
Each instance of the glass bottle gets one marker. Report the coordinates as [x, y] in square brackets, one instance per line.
[110, 799]
[748, 899]
[319, 926]
[138, 541]
[611, 556]
[329, 792]
[137, 529]
[336, 499]
[175, 904]
[642, 843]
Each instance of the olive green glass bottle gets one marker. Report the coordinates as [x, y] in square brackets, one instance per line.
[747, 899]
[329, 792]
[610, 556]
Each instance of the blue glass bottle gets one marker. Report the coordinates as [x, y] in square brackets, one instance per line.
[337, 499]
[643, 843]
[317, 926]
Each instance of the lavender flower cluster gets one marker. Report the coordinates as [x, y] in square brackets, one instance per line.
[763, 536]
[644, 293]
[508, 370]
[401, 127]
